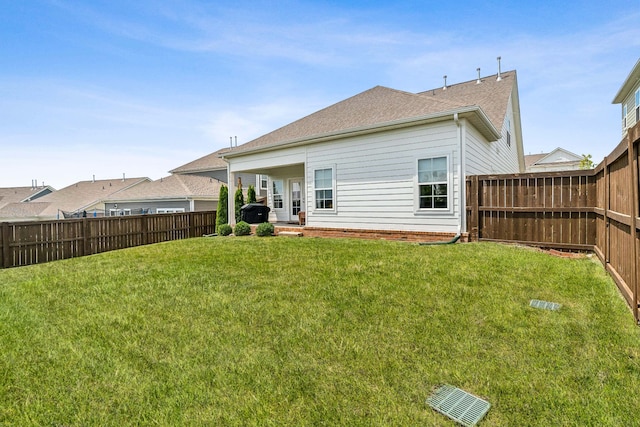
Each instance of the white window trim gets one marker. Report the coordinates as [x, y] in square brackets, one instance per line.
[315, 209]
[449, 210]
[273, 195]
[119, 212]
[169, 210]
[266, 182]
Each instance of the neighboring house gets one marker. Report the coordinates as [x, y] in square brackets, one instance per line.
[22, 194]
[213, 166]
[386, 159]
[629, 97]
[175, 193]
[557, 160]
[74, 200]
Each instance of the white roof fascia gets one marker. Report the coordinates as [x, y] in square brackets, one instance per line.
[632, 79]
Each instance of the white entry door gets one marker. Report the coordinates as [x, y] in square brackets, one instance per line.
[296, 198]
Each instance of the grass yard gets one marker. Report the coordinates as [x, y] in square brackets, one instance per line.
[297, 332]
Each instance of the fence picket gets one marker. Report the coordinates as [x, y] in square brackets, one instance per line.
[34, 242]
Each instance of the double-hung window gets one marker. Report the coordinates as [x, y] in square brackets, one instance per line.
[278, 194]
[263, 182]
[323, 185]
[433, 183]
[624, 116]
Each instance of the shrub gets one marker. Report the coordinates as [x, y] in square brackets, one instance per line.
[224, 229]
[239, 202]
[242, 229]
[223, 204]
[251, 194]
[264, 229]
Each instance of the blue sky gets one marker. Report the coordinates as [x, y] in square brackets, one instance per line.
[106, 87]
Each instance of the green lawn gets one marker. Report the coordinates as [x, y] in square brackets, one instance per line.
[294, 332]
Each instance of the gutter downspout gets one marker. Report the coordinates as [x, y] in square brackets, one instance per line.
[461, 178]
[461, 191]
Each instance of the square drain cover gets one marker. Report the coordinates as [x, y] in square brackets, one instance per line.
[544, 305]
[460, 406]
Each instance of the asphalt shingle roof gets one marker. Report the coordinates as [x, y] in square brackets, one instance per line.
[17, 194]
[173, 186]
[206, 163]
[381, 105]
[73, 198]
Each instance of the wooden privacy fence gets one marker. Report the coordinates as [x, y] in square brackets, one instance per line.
[25, 243]
[594, 210]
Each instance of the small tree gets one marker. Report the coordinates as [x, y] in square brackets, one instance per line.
[223, 207]
[586, 162]
[239, 201]
[251, 194]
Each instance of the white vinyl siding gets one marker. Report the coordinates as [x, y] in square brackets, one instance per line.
[487, 157]
[631, 110]
[376, 182]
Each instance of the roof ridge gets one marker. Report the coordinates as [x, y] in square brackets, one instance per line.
[472, 81]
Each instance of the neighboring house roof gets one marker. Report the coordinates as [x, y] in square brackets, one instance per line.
[171, 187]
[558, 159]
[76, 197]
[484, 105]
[22, 194]
[22, 209]
[206, 163]
[629, 84]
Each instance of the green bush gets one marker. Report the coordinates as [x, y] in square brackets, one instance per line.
[239, 202]
[224, 229]
[264, 229]
[242, 229]
[223, 204]
[251, 194]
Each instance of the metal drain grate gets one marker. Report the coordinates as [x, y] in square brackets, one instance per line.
[458, 405]
[544, 305]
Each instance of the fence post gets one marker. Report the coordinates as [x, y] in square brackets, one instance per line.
[192, 227]
[476, 206]
[145, 229]
[6, 258]
[85, 238]
[607, 192]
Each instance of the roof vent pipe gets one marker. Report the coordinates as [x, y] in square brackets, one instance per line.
[230, 142]
[499, 72]
[123, 177]
[445, 82]
[94, 179]
[236, 138]
[478, 81]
